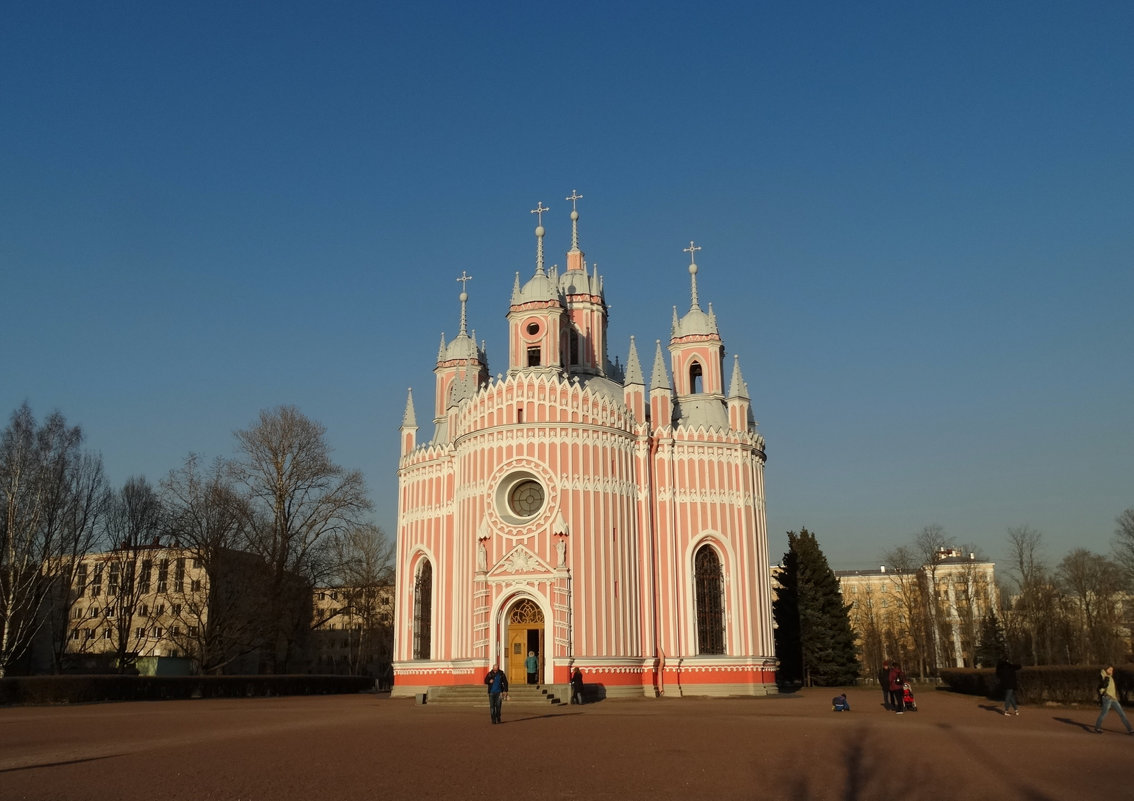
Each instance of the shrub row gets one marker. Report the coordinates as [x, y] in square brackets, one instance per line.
[89, 689]
[1058, 684]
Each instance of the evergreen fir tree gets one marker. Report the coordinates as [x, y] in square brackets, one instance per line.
[826, 649]
[993, 642]
[785, 612]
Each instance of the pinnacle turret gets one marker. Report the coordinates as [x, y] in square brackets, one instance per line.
[633, 367]
[660, 378]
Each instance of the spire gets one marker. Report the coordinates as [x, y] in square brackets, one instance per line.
[659, 379]
[737, 388]
[409, 419]
[633, 367]
[516, 289]
[691, 250]
[538, 211]
[441, 350]
[574, 197]
[464, 296]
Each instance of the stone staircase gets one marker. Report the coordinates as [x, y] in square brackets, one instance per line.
[477, 695]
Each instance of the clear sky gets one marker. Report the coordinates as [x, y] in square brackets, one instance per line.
[917, 224]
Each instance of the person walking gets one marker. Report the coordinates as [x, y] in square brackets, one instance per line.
[1006, 675]
[531, 665]
[577, 687]
[1108, 697]
[897, 679]
[497, 690]
[884, 683]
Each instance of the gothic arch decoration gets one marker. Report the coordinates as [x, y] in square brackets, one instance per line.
[423, 609]
[708, 584]
[526, 611]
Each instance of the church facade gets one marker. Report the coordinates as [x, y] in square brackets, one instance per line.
[574, 510]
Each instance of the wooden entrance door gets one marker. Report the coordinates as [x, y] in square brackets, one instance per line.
[525, 633]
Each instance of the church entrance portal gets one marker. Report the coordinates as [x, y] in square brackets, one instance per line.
[525, 633]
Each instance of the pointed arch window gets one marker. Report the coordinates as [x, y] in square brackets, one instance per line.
[695, 378]
[573, 346]
[709, 586]
[423, 611]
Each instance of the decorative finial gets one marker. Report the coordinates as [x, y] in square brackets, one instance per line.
[464, 296]
[575, 196]
[538, 211]
[692, 250]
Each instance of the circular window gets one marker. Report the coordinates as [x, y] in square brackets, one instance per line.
[525, 499]
[533, 329]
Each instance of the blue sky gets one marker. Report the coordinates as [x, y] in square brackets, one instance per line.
[917, 224]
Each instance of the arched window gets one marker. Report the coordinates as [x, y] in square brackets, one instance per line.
[695, 378]
[573, 346]
[709, 585]
[423, 611]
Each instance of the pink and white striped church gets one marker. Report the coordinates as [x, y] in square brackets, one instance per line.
[575, 510]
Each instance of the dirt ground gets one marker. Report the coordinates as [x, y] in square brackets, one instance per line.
[373, 747]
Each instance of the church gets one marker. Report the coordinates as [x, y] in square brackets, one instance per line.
[582, 511]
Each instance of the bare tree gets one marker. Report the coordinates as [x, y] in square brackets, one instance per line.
[364, 560]
[1036, 624]
[221, 618]
[49, 499]
[135, 524]
[1124, 544]
[1093, 584]
[904, 574]
[297, 497]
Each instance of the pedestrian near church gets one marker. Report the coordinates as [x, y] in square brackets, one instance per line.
[577, 687]
[1108, 698]
[1006, 675]
[884, 682]
[897, 680]
[531, 665]
[497, 690]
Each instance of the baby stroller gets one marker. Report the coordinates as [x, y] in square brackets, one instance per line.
[908, 702]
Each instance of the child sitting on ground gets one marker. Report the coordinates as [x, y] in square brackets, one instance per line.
[839, 703]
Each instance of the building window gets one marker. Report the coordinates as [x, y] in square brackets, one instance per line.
[112, 581]
[81, 579]
[163, 576]
[147, 569]
[196, 585]
[75, 634]
[96, 582]
[140, 632]
[93, 611]
[179, 575]
[695, 378]
[423, 611]
[709, 584]
[106, 634]
[533, 356]
[177, 609]
[157, 632]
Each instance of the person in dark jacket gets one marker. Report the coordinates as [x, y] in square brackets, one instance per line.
[897, 680]
[577, 687]
[497, 689]
[1006, 675]
[884, 682]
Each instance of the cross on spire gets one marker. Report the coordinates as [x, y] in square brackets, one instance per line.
[575, 196]
[539, 210]
[463, 281]
[692, 250]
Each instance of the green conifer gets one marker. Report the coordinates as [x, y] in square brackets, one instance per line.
[814, 641]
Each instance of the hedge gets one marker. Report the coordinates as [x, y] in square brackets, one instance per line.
[1057, 684]
[89, 689]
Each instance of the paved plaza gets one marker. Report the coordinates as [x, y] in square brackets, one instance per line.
[373, 747]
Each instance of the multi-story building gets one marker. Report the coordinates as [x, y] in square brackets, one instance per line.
[927, 618]
[574, 509]
[149, 607]
[353, 631]
[140, 605]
